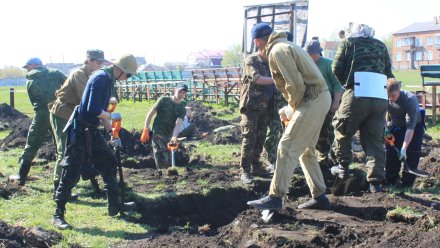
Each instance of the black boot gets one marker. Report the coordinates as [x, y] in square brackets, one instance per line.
[25, 167]
[58, 218]
[341, 172]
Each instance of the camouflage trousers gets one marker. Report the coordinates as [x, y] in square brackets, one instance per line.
[161, 154]
[253, 127]
[326, 138]
[60, 138]
[368, 116]
[36, 135]
[274, 132]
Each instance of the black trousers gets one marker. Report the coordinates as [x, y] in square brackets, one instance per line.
[102, 158]
[414, 151]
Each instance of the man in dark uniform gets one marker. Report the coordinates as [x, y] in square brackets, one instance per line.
[256, 94]
[41, 84]
[84, 138]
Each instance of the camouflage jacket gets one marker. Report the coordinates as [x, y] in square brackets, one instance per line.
[167, 113]
[360, 54]
[41, 84]
[253, 96]
[70, 93]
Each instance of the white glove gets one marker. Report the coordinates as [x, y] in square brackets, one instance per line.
[115, 116]
[286, 112]
[116, 142]
[402, 155]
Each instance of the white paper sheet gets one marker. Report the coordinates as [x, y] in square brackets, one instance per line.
[370, 84]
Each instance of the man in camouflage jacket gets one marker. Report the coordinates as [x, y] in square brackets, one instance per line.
[256, 94]
[41, 84]
[360, 52]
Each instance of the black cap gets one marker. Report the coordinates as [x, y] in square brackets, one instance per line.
[182, 86]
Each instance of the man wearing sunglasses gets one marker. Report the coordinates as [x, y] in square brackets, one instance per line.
[61, 109]
[85, 141]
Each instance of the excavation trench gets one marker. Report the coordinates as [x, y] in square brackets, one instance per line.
[217, 208]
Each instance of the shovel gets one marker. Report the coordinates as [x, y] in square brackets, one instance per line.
[390, 141]
[173, 148]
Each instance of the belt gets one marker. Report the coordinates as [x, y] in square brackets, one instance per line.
[88, 128]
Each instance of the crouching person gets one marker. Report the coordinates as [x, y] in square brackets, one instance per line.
[170, 114]
[408, 126]
[85, 141]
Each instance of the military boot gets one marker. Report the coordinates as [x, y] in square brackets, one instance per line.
[25, 167]
[341, 172]
[58, 218]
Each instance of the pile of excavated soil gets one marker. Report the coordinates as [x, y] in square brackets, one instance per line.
[16, 236]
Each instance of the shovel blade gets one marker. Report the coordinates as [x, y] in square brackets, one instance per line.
[418, 173]
[266, 215]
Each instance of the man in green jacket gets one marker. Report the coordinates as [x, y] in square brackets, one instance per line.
[326, 136]
[41, 84]
[66, 99]
[170, 112]
[361, 107]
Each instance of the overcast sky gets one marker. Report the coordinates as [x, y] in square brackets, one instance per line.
[168, 30]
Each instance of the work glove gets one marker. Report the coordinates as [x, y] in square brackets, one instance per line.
[116, 143]
[145, 136]
[173, 140]
[402, 155]
[115, 116]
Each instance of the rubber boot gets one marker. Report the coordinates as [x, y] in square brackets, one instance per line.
[341, 172]
[58, 218]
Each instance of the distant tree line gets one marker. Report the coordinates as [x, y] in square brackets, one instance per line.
[12, 72]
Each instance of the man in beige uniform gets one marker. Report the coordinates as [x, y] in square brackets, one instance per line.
[67, 98]
[303, 86]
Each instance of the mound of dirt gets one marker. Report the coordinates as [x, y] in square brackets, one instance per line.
[8, 189]
[16, 236]
[203, 118]
[8, 114]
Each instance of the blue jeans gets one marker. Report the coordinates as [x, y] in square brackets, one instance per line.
[414, 150]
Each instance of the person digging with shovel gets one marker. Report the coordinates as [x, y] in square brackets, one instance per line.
[170, 114]
[85, 140]
[407, 125]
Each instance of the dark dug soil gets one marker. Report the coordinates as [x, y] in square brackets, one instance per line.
[16, 236]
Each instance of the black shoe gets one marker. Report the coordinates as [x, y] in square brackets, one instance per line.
[58, 220]
[267, 203]
[60, 223]
[375, 187]
[320, 202]
[246, 178]
[340, 187]
[25, 167]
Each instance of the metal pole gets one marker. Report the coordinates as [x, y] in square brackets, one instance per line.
[11, 97]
